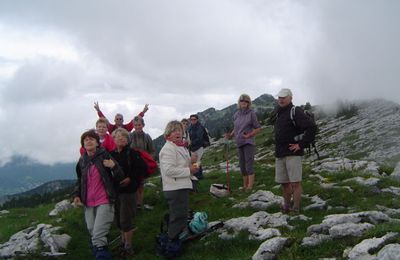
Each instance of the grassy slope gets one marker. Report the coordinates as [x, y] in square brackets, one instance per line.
[212, 247]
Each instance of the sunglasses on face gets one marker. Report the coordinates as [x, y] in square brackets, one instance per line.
[243, 100]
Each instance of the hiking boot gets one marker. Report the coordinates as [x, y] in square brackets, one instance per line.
[92, 248]
[173, 249]
[102, 253]
[127, 252]
[161, 244]
[285, 209]
[248, 190]
[295, 211]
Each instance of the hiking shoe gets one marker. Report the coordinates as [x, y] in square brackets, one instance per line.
[102, 253]
[285, 209]
[127, 252]
[295, 211]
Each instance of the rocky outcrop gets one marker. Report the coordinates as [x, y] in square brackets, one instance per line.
[371, 135]
[363, 249]
[260, 200]
[338, 164]
[342, 225]
[31, 239]
[60, 207]
[254, 224]
[270, 248]
[318, 203]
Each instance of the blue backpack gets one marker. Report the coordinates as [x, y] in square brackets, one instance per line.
[199, 223]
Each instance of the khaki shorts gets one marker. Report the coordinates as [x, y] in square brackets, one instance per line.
[288, 169]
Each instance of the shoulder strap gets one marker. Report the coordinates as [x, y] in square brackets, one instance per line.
[134, 137]
[293, 114]
[128, 153]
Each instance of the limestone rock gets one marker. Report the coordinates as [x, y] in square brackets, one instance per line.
[349, 229]
[270, 248]
[31, 239]
[60, 207]
[260, 199]
[318, 203]
[389, 252]
[363, 181]
[253, 224]
[361, 250]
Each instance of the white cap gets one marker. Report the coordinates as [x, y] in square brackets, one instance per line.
[285, 92]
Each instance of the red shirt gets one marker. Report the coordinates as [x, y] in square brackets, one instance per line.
[111, 127]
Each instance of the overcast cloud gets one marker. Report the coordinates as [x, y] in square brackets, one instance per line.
[181, 57]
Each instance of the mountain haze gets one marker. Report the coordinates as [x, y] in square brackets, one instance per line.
[22, 174]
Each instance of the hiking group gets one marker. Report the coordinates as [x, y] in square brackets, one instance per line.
[113, 168]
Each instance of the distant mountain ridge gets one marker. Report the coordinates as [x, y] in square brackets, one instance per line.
[50, 187]
[22, 174]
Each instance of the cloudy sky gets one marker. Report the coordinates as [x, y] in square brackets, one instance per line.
[181, 57]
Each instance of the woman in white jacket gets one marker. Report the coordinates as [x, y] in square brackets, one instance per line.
[176, 169]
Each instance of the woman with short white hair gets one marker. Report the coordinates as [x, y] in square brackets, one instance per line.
[176, 169]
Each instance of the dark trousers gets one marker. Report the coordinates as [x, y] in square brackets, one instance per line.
[178, 202]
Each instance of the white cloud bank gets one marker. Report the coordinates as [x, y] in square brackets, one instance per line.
[57, 58]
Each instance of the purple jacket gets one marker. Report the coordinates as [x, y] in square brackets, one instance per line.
[244, 121]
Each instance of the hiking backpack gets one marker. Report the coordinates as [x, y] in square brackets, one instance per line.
[151, 164]
[299, 137]
[149, 161]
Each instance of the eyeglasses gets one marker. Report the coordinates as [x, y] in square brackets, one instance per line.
[243, 100]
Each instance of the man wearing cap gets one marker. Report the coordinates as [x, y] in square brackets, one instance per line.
[289, 148]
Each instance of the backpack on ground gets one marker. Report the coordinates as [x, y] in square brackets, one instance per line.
[299, 137]
[197, 226]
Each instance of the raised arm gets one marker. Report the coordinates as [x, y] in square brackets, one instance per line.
[129, 126]
[145, 109]
[99, 113]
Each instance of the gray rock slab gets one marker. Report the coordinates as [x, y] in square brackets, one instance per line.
[364, 181]
[263, 234]
[389, 252]
[260, 199]
[349, 229]
[257, 221]
[60, 207]
[315, 239]
[393, 190]
[361, 250]
[270, 248]
[29, 240]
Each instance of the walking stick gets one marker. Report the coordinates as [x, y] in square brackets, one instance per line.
[228, 181]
